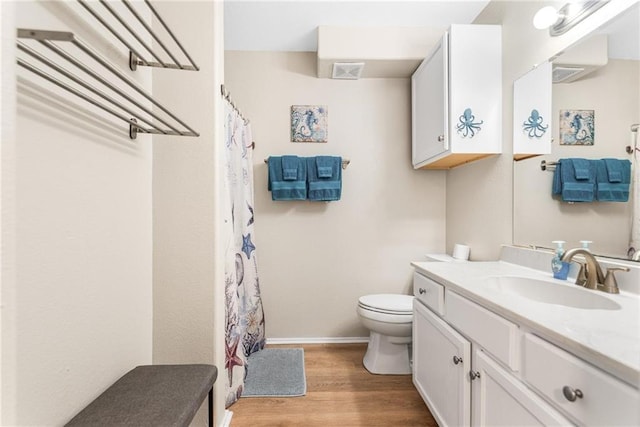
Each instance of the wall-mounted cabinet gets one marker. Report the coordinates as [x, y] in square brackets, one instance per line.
[456, 99]
[532, 113]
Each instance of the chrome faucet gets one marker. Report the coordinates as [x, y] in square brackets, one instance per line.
[591, 275]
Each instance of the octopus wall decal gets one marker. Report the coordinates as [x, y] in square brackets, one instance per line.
[467, 125]
[534, 126]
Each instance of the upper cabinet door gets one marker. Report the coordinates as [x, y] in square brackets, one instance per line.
[532, 113]
[457, 99]
[428, 106]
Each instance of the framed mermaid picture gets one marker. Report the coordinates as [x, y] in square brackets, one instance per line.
[309, 123]
[577, 127]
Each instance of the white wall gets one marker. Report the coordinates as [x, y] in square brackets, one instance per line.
[612, 91]
[316, 259]
[188, 290]
[77, 206]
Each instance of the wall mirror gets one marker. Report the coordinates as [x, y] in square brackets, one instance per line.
[609, 87]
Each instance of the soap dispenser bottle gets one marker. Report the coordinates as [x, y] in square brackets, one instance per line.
[560, 269]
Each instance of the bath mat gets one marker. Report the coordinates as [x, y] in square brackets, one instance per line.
[275, 372]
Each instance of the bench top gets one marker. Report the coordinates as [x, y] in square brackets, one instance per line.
[152, 395]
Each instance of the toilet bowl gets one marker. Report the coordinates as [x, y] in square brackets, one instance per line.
[389, 318]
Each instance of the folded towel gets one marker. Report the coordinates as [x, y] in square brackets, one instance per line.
[282, 189]
[324, 165]
[556, 189]
[290, 168]
[320, 188]
[576, 189]
[613, 191]
[614, 169]
[581, 168]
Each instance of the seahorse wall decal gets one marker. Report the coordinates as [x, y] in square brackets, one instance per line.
[534, 126]
[467, 126]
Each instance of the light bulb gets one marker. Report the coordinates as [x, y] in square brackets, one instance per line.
[545, 17]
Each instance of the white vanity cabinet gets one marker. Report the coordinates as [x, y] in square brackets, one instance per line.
[457, 363]
[532, 113]
[456, 96]
[441, 357]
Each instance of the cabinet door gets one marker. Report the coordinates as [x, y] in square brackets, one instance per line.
[499, 399]
[475, 89]
[441, 380]
[429, 105]
[532, 113]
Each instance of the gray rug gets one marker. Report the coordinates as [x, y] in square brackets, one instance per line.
[275, 372]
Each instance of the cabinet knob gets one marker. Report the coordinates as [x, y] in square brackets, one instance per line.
[572, 394]
[422, 291]
[440, 138]
[474, 374]
[457, 359]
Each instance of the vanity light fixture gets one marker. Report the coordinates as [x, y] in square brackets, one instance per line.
[569, 15]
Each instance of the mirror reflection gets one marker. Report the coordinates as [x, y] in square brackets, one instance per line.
[596, 91]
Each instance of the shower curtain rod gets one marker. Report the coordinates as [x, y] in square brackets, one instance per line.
[227, 95]
[634, 129]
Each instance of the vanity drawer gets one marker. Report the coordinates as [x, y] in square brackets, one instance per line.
[430, 293]
[494, 333]
[605, 400]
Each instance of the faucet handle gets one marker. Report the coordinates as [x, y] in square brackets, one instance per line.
[581, 278]
[610, 283]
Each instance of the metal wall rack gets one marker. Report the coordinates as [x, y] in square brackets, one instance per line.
[139, 118]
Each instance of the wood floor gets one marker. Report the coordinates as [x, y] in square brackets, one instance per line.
[340, 392]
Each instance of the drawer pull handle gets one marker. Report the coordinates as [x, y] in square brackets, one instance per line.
[440, 138]
[473, 375]
[457, 359]
[422, 291]
[572, 394]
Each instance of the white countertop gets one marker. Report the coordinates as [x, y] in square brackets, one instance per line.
[608, 339]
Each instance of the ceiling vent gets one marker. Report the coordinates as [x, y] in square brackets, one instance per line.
[565, 74]
[347, 70]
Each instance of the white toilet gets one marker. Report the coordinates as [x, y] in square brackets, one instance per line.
[389, 317]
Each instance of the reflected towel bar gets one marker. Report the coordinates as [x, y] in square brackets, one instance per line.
[544, 165]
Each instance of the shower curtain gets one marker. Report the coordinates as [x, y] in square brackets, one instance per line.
[244, 324]
[634, 241]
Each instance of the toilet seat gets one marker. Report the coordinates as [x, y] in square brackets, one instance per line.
[388, 308]
[387, 303]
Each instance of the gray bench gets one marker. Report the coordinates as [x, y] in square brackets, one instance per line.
[153, 395]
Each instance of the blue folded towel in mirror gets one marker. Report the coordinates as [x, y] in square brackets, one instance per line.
[575, 180]
[290, 167]
[613, 178]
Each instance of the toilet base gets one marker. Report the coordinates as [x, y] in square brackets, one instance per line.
[387, 355]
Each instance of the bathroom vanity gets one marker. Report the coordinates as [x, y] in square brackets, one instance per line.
[496, 343]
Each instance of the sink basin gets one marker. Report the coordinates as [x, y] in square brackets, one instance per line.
[548, 292]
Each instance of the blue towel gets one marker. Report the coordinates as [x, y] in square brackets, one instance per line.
[324, 189]
[609, 190]
[324, 165]
[282, 189]
[557, 179]
[582, 169]
[614, 169]
[574, 189]
[290, 168]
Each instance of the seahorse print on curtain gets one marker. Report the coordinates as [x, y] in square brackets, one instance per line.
[244, 324]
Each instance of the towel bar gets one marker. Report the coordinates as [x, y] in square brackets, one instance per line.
[345, 162]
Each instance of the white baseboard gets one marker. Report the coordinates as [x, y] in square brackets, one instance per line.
[318, 340]
[226, 421]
